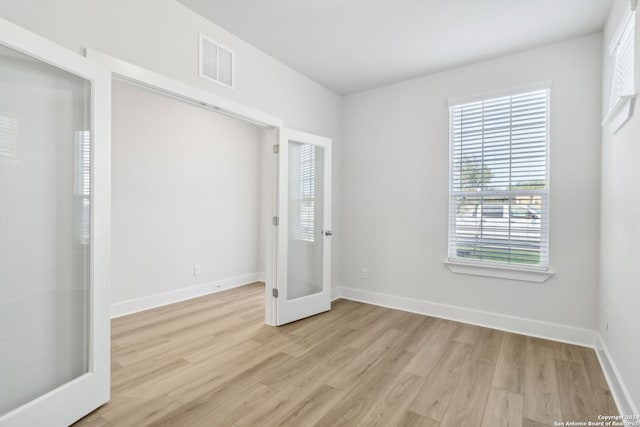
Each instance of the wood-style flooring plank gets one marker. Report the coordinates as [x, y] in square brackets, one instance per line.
[466, 334]
[224, 413]
[425, 359]
[600, 389]
[349, 375]
[422, 335]
[211, 361]
[313, 408]
[470, 396]
[392, 404]
[540, 342]
[377, 328]
[568, 352]
[527, 422]
[576, 402]
[434, 396]
[509, 373]
[135, 411]
[411, 419]
[488, 346]
[291, 391]
[541, 396]
[369, 387]
[504, 409]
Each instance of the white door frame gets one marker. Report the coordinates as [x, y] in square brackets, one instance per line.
[65, 404]
[150, 80]
[291, 310]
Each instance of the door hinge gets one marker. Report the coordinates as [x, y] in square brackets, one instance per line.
[274, 292]
[276, 148]
[276, 221]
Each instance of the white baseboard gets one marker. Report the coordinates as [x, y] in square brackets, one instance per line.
[519, 325]
[619, 391]
[145, 303]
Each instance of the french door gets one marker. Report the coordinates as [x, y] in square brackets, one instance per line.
[303, 277]
[54, 232]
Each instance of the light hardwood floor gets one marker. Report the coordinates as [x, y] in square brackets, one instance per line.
[211, 361]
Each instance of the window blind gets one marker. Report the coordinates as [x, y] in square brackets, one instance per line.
[498, 180]
[306, 192]
[82, 186]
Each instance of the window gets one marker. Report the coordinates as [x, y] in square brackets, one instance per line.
[216, 62]
[499, 180]
[305, 185]
[622, 51]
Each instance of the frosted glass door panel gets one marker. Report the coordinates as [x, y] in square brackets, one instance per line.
[305, 243]
[45, 161]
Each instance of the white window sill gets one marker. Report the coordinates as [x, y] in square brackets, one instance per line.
[507, 272]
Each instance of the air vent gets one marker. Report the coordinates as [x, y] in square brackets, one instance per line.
[216, 62]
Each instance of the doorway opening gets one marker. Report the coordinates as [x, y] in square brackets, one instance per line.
[192, 192]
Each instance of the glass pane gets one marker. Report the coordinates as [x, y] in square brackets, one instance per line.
[499, 228]
[45, 200]
[304, 275]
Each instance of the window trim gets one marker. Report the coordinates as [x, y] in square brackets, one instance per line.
[524, 272]
[509, 271]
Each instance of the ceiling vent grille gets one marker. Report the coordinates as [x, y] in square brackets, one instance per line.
[216, 62]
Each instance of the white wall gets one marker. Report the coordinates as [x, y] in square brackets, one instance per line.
[162, 35]
[185, 191]
[620, 230]
[395, 192]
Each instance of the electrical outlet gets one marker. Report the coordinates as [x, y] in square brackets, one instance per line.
[196, 270]
[364, 273]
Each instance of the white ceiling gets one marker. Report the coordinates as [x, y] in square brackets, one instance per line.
[352, 45]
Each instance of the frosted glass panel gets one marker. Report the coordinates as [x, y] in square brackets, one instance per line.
[45, 170]
[305, 250]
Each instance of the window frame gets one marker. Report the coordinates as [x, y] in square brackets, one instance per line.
[509, 270]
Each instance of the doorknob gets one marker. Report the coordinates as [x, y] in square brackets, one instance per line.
[328, 233]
